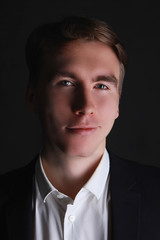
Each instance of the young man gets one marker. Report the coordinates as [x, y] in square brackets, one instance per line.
[75, 189]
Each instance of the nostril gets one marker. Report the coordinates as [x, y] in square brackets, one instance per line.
[84, 112]
[79, 112]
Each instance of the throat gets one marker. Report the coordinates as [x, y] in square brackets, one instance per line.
[70, 178]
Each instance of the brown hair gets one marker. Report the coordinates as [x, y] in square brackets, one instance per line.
[57, 34]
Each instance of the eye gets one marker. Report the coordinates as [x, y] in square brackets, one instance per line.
[101, 86]
[66, 83]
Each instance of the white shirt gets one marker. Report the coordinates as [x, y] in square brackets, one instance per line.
[58, 217]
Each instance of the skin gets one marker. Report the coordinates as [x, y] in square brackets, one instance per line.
[77, 100]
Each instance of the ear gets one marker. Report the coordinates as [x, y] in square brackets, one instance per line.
[30, 99]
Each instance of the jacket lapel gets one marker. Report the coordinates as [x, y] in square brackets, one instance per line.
[19, 214]
[125, 201]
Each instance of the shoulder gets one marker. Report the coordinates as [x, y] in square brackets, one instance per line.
[17, 178]
[142, 172]
[16, 190]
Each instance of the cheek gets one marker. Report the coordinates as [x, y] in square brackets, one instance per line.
[109, 108]
[56, 107]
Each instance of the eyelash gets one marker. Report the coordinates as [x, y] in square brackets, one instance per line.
[68, 83]
[101, 84]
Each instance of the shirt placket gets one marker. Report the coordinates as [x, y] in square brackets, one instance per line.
[69, 222]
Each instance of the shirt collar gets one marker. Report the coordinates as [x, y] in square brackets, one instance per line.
[95, 184]
[44, 185]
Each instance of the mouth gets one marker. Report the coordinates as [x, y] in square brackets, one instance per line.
[86, 130]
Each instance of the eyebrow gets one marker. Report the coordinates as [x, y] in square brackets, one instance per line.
[64, 74]
[107, 78]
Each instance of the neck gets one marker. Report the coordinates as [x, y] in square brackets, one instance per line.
[69, 174]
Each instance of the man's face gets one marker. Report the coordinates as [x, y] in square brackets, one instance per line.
[77, 98]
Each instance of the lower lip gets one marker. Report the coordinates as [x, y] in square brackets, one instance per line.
[82, 131]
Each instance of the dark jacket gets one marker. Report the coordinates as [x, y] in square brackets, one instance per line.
[135, 202]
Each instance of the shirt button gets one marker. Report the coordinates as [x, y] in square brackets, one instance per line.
[72, 218]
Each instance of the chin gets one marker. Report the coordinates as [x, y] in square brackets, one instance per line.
[83, 150]
[79, 154]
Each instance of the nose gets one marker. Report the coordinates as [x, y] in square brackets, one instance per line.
[83, 102]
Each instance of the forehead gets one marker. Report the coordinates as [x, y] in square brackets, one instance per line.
[87, 57]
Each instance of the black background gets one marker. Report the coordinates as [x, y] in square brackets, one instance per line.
[136, 132]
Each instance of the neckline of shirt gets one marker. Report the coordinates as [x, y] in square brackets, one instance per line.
[95, 184]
